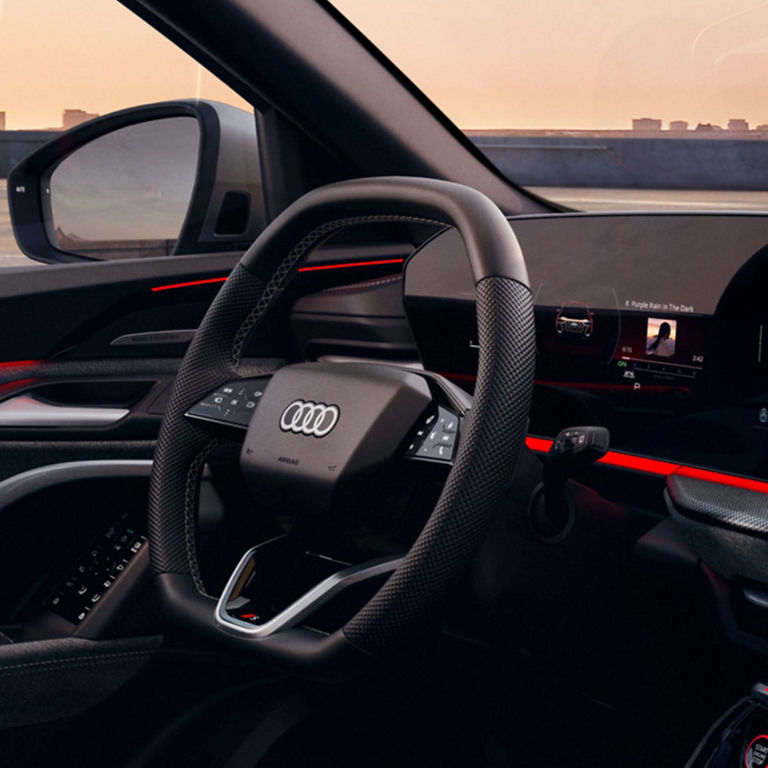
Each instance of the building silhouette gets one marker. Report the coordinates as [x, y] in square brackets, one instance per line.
[73, 117]
[646, 124]
[738, 124]
[707, 128]
[678, 125]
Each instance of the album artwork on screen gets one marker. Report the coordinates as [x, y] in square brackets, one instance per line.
[660, 337]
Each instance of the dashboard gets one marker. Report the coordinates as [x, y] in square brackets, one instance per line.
[652, 325]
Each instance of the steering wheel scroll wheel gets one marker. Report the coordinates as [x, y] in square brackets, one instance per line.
[319, 427]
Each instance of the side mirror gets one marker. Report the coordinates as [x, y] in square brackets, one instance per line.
[179, 177]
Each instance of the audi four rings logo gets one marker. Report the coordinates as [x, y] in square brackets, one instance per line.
[305, 417]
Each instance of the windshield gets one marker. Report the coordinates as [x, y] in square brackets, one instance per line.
[599, 105]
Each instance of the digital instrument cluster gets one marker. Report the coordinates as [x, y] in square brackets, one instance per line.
[631, 352]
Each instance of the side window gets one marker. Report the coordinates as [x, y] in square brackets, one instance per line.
[108, 199]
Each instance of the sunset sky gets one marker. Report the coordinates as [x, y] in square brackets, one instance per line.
[89, 54]
[577, 64]
[486, 63]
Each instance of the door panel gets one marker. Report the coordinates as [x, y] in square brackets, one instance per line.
[91, 350]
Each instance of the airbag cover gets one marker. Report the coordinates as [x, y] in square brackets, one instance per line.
[320, 427]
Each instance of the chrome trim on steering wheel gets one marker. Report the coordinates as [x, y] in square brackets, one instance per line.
[309, 602]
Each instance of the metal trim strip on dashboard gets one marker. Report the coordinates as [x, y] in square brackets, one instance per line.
[25, 483]
[25, 411]
[309, 602]
[150, 338]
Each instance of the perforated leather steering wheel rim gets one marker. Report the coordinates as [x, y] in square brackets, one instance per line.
[492, 438]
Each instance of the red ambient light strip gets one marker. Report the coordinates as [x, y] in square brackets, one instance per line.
[615, 459]
[660, 468]
[11, 387]
[538, 444]
[719, 477]
[347, 265]
[173, 286]
[639, 463]
[20, 363]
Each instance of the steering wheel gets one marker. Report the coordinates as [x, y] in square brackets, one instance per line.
[317, 422]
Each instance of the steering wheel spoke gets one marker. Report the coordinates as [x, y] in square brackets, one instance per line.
[281, 584]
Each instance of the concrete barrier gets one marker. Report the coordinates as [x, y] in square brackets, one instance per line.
[16, 145]
[565, 161]
[627, 163]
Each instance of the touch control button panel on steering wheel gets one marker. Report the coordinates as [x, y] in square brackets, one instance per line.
[232, 404]
[436, 437]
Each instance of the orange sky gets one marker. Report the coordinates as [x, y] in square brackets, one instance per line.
[486, 63]
[577, 64]
[89, 54]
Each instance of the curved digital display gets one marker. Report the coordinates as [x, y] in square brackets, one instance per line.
[652, 325]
